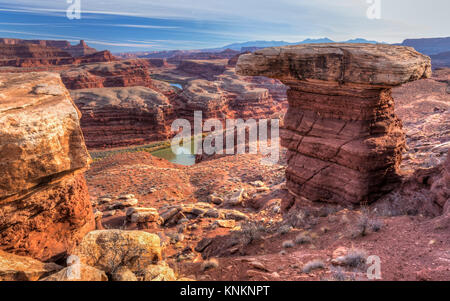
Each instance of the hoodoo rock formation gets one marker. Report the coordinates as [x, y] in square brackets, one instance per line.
[44, 202]
[343, 138]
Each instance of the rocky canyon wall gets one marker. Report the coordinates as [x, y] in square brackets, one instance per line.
[108, 74]
[42, 53]
[123, 116]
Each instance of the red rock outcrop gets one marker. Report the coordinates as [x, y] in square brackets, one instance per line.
[109, 74]
[343, 138]
[180, 56]
[40, 53]
[157, 63]
[32, 56]
[441, 187]
[277, 90]
[81, 49]
[229, 96]
[203, 69]
[44, 202]
[123, 116]
[233, 61]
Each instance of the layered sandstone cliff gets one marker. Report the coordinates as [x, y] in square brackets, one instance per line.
[44, 203]
[344, 140]
[78, 50]
[108, 74]
[229, 96]
[41, 53]
[203, 69]
[123, 116]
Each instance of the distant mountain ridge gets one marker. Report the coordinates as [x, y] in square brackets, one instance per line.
[429, 46]
[265, 44]
[437, 48]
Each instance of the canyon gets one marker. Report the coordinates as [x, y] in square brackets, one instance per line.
[364, 166]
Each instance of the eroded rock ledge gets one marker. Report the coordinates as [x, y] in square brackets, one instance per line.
[44, 202]
[344, 140]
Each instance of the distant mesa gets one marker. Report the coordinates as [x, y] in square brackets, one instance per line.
[429, 46]
[39, 53]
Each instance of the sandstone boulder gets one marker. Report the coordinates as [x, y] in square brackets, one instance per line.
[44, 202]
[21, 268]
[108, 250]
[160, 272]
[81, 272]
[40, 135]
[142, 215]
[366, 64]
[123, 274]
[343, 138]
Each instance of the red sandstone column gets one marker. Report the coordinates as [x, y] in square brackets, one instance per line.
[343, 138]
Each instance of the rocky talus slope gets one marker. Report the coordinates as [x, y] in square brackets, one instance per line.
[44, 202]
[344, 140]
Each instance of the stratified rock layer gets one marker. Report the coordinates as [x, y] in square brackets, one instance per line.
[123, 116]
[344, 140]
[229, 96]
[108, 74]
[44, 54]
[44, 203]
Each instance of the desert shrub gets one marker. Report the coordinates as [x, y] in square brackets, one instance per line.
[376, 225]
[284, 229]
[313, 265]
[288, 244]
[210, 264]
[250, 231]
[297, 219]
[362, 226]
[366, 223]
[355, 259]
[302, 239]
[337, 274]
[328, 210]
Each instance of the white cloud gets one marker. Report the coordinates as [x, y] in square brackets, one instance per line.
[292, 18]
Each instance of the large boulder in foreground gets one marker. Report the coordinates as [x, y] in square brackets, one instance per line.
[109, 250]
[44, 202]
[343, 138]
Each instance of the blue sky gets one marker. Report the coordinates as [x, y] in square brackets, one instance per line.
[138, 25]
